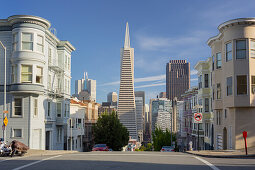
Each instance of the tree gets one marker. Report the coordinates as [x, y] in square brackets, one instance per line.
[108, 130]
[161, 138]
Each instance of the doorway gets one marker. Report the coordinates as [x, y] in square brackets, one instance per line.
[225, 139]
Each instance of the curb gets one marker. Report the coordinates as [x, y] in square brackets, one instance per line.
[223, 156]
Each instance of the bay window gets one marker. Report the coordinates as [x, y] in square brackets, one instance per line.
[228, 51]
[17, 107]
[240, 49]
[14, 41]
[218, 60]
[241, 84]
[40, 44]
[14, 74]
[39, 75]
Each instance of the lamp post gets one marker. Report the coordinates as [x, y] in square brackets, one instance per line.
[4, 110]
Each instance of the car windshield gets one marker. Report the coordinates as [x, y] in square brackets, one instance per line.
[167, 147]
[100, 145]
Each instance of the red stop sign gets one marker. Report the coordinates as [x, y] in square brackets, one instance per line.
[244, 134]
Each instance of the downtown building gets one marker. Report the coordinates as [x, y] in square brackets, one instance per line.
[140, 113]
[85, 88]
[177, 78]
[109, 106]
[38, 70]
[126, 104]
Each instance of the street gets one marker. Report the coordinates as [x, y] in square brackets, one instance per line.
[124, 160]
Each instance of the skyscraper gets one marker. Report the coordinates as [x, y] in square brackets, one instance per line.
[85, 88]
[112, 98]
[177, 78]
[140, 112]
[126, 104]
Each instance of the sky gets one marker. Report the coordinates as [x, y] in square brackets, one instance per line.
[160, 30]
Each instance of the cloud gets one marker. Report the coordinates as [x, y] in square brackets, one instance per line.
[194, 79]
[139, 80]
[151, 85]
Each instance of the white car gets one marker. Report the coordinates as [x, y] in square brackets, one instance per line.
[167, 149]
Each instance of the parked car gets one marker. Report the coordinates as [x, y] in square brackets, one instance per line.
[167, 149]
[100, 147]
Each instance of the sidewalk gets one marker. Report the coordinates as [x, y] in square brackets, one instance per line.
[34, 152]
[224, 153]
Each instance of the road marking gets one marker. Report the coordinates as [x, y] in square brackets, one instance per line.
[13, 158]
[36, 162]
[207, 163]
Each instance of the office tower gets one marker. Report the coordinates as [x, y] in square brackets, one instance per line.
[126, 104]
[112, 98]
[147, 125]
[162, 95]
[177, 78]
[85, 88]
[140, 104]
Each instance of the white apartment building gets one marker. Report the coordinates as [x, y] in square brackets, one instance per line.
[76, 130]
[38, 82]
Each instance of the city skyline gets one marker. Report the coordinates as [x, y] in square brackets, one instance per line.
[96, 27]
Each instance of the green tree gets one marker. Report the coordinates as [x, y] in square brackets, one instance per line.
[108, 130]
[161, 138]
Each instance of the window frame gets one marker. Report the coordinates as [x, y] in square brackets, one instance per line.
[14, 106]
[236, 50]
[246, 85]
[206, 80]
[218, 91]
[60, 109]
[26, 73]
[14, 41]
[14, 74]
[218, 61]
[229, 51]
[207, 105]
[39, 76]
[229, 88]
[40, 44]
[31, 41]
[13, 134]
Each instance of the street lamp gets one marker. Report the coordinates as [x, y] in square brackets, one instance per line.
[71, 128]
[4, 111]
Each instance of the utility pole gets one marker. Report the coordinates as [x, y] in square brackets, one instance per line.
[4, 110]
[197, 136]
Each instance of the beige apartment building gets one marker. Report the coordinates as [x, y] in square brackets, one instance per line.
[233, 87]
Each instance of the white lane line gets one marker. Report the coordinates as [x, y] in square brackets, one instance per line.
[36, 162]
[207, 163]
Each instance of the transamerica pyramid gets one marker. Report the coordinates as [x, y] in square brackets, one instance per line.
[126, 104]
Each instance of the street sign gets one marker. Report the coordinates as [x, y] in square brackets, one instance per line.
[5, 111]
[5, 121]
[198, 117]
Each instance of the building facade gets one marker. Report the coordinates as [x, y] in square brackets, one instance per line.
[233, 77]
[177, 78]
[38, 82]
[126, 104]
[112, 97]
[147, 125]
[161, 114]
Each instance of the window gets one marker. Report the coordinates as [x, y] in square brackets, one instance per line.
[40, 43]
[35, 107]
[48, 113]
[200, 126]
[59, 134]
[27, 41]
[59, 110]
[240, 49]
[17, 107]
[241, 84]
[218, 94]
[229, 86]
[253, 84]
[213, 92]
[49, 56]
[79, 124]
[218, 117]
[200, 82]
[26, 74]
[39, 75]
[49, 82]
[252, 47]
[228, 51]
[14, 41]
[218, 60]
[14, 74]
[206, 104]
[206, 80]
[212, 62]
[17, 133]
[66, 61]
[225, 113]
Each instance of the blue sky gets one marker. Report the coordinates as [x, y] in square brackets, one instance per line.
[160, 30]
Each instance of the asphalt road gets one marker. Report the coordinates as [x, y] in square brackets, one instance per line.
[124, 160]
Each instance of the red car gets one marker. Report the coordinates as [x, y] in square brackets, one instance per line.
[100, 147]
